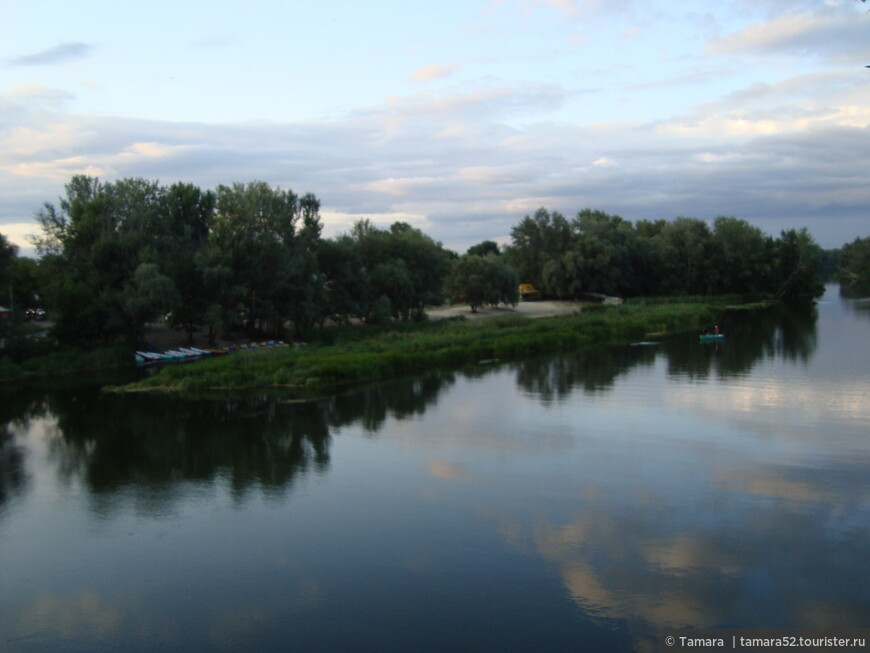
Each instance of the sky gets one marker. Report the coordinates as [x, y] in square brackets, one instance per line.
[459, 117]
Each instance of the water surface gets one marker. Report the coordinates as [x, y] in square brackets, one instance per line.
[571, 503]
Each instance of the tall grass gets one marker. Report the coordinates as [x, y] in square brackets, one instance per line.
[356, 355]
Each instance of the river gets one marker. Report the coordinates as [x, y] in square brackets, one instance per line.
[569, 503]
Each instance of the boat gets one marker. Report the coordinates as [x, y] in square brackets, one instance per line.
[175, 355]
[711, 337]
[192, 352]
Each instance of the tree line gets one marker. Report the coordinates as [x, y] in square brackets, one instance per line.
[602, 253]
[115, 256]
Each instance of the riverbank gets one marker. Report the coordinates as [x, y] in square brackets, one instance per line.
[359, 356]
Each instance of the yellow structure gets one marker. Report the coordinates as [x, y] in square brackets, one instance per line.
[528, 291]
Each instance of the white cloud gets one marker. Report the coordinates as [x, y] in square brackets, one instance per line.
[827, 32]
[401, 187]
[59, 169]
[336, 223]
[494, 175]
[435, 71]
[19, 233]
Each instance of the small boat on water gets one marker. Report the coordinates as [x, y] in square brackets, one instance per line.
[711, 337]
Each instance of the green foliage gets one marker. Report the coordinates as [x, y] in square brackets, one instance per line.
[258, 236]
[604, 254]
[8, 255]
[123, 253]
[796, 257]
[96, 242]
[537, 239]
[481, 280]
[401, 264]
[740, 257]
[484, 248]
[855, 267]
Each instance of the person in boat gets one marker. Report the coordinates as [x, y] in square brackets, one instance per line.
[716, 330]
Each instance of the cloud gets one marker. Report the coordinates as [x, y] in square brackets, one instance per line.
[56, 55]
[466, 164]
[435, 71]
[38, 93]
[78, 616]
[480, 104]
[580, 9]
[828, 33]
[446, 470]
[19, 233]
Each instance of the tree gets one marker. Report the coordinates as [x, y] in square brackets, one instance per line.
[8, 256]
[484, 248]
[401, 264]
[273, 258]
[740, 256]
[94, 243]
[795, 275]
[686, 246]
[536, 240]
[344, 283]
[27, 282]
[147, 295]
[188, 214]
[479, 280]
[855, 267]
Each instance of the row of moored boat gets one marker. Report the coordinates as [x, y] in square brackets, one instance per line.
[182, 354]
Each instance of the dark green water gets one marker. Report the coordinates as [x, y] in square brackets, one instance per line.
[562, 504]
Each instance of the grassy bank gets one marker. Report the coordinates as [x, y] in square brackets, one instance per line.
[367, 356]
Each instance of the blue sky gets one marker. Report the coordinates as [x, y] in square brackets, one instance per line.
[460, 117]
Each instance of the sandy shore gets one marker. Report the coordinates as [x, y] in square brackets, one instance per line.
[162, 337]
[543, 308]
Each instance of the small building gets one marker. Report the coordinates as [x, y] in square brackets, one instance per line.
[528, 291]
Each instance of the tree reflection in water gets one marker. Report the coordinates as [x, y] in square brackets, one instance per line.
[751, 337]
[150, 444]
[14, 407]
[592, 371]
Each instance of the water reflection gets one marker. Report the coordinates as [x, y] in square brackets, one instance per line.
[373, 405]
[788, 334]
[153, 443]
[785, 333]
[592, 371]
[861, 307]
[738, 546]
[13, 478]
